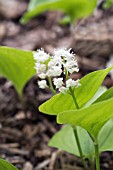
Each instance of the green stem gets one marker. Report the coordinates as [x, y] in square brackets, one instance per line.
[74, 99]
[97, 156]
[79, 147]
[51, 86]
[92, 164]
[76, 134]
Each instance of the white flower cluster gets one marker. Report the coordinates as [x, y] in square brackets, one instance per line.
[58, 82]
[63, 61]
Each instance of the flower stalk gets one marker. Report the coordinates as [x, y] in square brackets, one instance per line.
[51, 86]
[62, 63]
[76, 134]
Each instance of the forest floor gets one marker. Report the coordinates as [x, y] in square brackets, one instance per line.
[24, 132]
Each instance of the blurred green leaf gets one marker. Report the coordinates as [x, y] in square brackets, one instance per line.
[107, 4]
[34, 3]
[17, 66]
[89, 86]
[74, 8]
[4, 165]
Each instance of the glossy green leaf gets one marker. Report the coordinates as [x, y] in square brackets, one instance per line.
[17, 66]
[74, 8]
[4, 165]
[65, 140]
[89, 86]
[91, 118]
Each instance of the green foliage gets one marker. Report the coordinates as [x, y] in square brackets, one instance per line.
[106, 137]
[84, 93]
[107, 4]
[73, 8]
[62, 138]
[17, 66]
[107, 95]
[97, 95]
[91, 118]
[4, 165]
[34, 3]
[65, 140]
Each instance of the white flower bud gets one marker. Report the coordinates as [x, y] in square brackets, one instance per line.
[55, 62]
[42, 84]
[63, 89]
[70, 83]
[41, 56]
[40, 68]
[64, 53]
[42, 75]
[78, 83]
[54, 71]
[58, 82]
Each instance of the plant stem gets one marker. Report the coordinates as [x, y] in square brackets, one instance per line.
[76, 134]
[79, 147]
[97, 156]
[92, 164]
[51, 86]
[74, 99]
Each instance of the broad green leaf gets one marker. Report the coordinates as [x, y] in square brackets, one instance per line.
[4, 165]
[107, 95]
[74, 8]
[17, 66]
[89, 86]
[106, 137]
[65, 140]
[91, 118]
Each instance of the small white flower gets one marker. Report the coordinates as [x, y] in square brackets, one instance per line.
[71, 66]
[42, 75]
[78, 83]
[64, 53]
[49, 73]
[40, 68]
[63, 89]
[70, 83]
[57, 71]
[42, 84]
[55, 62]
[41, 56]
[58, 82]
[54, 71]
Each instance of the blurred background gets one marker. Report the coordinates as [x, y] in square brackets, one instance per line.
[24, 132]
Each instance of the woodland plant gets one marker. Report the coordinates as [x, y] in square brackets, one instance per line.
[82, 104]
